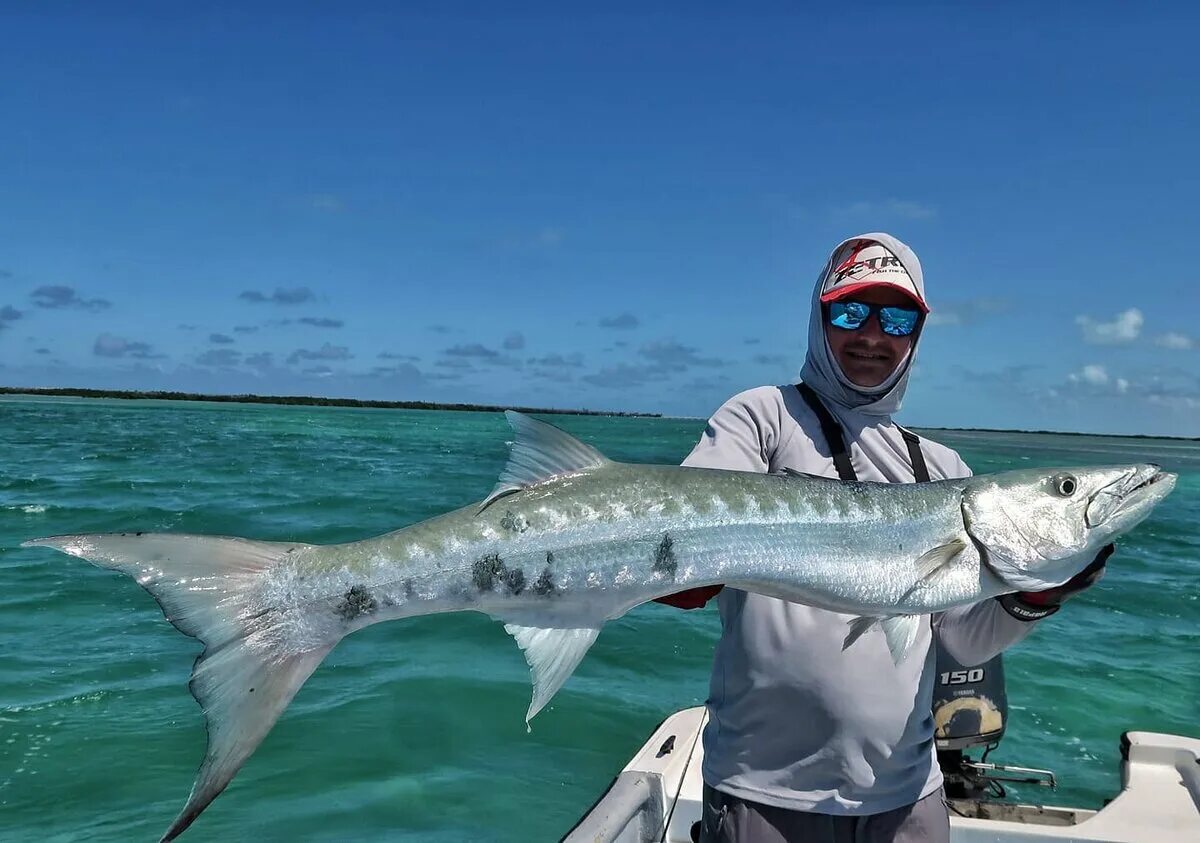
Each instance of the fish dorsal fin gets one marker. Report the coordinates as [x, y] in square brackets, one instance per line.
[553, 654]
[540, 451]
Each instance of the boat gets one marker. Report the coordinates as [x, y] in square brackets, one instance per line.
[657, 797]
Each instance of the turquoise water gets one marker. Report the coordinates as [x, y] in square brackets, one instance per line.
[415, 730]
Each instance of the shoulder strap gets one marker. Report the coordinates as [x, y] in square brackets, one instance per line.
[915, 455]
[831, 430]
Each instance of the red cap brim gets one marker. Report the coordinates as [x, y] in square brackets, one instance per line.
[850, 289]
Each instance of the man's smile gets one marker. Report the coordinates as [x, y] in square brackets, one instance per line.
[864, 354]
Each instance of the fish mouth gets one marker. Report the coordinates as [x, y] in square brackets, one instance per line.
[1129, 498]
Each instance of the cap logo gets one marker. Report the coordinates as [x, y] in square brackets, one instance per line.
[857, 268]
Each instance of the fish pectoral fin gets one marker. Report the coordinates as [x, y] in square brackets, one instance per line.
[899, 630]
[540, 451]
[932, 564]
[553, 654]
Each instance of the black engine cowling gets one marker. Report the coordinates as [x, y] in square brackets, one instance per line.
[970, 706]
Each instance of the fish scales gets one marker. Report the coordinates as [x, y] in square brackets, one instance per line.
[723, 532]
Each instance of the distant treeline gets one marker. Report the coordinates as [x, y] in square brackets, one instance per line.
[1062, 433]
[301, 400]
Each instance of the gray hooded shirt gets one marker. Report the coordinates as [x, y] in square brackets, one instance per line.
[795, 720]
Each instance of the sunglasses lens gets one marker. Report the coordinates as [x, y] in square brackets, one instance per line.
[898, 321]
[849, 315]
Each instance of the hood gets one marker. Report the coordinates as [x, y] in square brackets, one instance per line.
[821, 370]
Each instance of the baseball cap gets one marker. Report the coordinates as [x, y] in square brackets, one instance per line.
[861, 264]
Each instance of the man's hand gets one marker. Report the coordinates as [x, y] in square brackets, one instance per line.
[1035, 605]
[693, 598]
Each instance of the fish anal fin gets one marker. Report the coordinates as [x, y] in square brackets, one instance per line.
[933, 563]
[899, 630]
[901, 633]
[553, 654]
[540, 452]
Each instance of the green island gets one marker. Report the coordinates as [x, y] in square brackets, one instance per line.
[301, 400]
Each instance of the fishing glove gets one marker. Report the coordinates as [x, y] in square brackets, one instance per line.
[693, 598]
[1035, 605]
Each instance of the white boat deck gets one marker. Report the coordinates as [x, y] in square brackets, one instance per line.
[657, 797]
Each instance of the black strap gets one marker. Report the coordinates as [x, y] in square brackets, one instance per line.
[915, 456]
[832, 431]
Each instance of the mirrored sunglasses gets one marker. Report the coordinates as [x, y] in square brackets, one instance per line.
[852, 315]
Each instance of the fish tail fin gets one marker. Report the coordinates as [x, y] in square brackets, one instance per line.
[206, 587]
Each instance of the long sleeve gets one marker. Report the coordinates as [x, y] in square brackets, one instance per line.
[739, 437]
[974, 634]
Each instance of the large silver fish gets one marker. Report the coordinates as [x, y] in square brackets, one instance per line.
[569, 540]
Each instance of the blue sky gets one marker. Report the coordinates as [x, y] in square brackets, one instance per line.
[607, 209]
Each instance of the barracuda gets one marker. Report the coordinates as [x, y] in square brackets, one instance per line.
[569, 540]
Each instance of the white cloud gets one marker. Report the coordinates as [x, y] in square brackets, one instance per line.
[891, 208]
[550, 236]
[966, 312]
[1095, 379]
[1094, 374]
[1124, 328]
[328, 202]
[1176, 342]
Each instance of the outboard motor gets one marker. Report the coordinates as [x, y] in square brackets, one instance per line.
[970, 706]
[970, 709]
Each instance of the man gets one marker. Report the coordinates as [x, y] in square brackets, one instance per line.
[807, 740]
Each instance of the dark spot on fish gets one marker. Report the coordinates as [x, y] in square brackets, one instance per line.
[357, 601]
[409, 589]
[514, 521]
[486, 571]
[290, 549]
[252, 690]
[514, 580]
[664, 557]
[544, 584]
[139, 533]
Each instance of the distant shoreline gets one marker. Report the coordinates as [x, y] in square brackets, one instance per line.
[317, 401]
[301, 401]
[1059, 433]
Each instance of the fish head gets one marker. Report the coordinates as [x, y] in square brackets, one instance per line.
[1037, 528]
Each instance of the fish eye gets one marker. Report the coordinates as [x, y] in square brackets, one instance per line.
[1065, 485]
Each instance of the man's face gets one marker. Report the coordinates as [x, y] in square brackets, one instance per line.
[868, 356]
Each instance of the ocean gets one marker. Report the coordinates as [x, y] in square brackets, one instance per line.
[415, 730]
